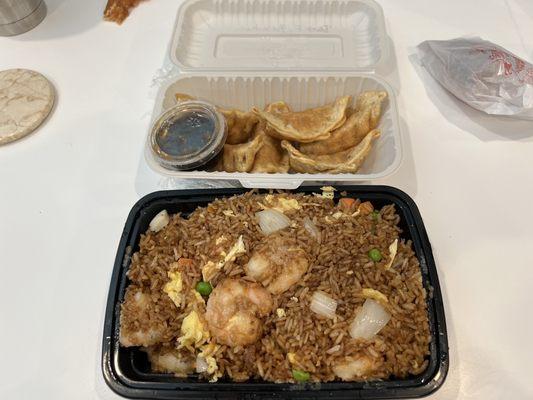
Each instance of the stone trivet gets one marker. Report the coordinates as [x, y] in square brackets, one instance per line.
[26, 99]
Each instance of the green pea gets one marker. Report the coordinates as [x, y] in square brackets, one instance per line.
[375, 255]
[374, 214]
[204, 288]
[300, 376]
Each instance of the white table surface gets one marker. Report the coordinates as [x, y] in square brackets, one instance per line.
[66, 190]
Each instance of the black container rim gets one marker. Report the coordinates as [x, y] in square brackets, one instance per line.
[172, 388]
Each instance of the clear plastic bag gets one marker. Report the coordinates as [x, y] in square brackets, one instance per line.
[482, 74]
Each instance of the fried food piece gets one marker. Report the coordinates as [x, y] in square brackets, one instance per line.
[308, 125]
[234, 310]
[271, 157]
[239, 157]
[347, 161]
[240, 125]
[278, 264]
[118, 10]
[358, 124]
[278, 107]
[371, 100]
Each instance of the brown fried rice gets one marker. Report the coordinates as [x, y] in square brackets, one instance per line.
[295, 337]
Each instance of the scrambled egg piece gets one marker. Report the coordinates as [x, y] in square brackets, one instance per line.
[207, 354]
[269, 198]
[173, 288]
[194, 333]
[228, 213]
[237, 249]
[340, 214]
[212, 366]
[375, 295]
[291, 357]
[210, 268]
[328, 192]
[209, 349]
[293, 360]
[393, 249]
[280, 312]
[198, 297]
[282, 204]
[221, 239]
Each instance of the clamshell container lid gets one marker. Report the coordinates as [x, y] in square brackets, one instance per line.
[303, 35]
[240, 54]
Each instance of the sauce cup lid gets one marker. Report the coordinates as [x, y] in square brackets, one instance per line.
[188, 135]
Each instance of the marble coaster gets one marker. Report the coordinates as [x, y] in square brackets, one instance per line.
[26, 99]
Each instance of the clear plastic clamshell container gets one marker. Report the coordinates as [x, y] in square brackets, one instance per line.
[245, 53]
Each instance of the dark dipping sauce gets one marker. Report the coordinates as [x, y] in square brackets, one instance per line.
[186, 134]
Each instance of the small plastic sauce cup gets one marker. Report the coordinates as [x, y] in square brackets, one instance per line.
[188, 135]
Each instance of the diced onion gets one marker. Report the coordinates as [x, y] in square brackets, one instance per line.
[201, 365]
[369, 320]
[271, 221]
[334, 349]
[393, 249]
[323, 305]
[159, 221]
[311, 228]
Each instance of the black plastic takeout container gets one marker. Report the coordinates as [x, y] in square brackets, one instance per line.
[126, 370]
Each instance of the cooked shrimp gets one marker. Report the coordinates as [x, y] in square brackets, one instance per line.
[354, 367]
[170, 360]
[278, 264]
[234, 310]
[136, 308]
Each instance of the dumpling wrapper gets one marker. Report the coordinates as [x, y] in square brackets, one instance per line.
[308, 125]
[357, 125]
[279, 107]
[239, 157]
[240, 124]
[271, 157]
[371, 101]
[347, 161]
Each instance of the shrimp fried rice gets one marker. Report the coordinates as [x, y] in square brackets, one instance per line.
[279, 287]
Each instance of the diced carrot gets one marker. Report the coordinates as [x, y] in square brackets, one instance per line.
[366, 208]
[346, 204]
[185, 262]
